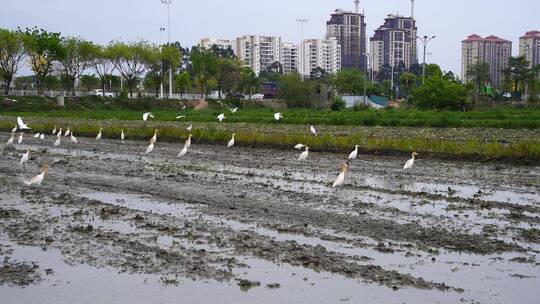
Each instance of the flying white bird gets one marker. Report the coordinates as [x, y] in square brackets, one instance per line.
[122, 136]
[42, 136]
[304, 154]
[299, 146]
[278, 116]
[68, 131]
[231, 142]
[98, 136]
[234, 110]
[59, 133]
[24, 158]
[10, 140]
[73, 138]
[146, 115]
[181, 116]
[14, 130]
[341, 177]
[220, 117]
[188, 141]
[189, 128]
[38, 178]
[20, 138]
[354, 153]
[54, 131]
[36, 135]
[153, 140]
[312, 129]
[21, 124]
[150, 148]
[410, 162]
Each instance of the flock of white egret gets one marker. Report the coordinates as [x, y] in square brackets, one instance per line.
[37, 179]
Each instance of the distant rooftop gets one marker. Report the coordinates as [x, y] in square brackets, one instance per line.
[475, 37]
[531, 34]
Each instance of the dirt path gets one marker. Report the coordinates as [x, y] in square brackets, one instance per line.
[238, 218]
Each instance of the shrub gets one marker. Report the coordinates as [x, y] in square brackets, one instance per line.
[338, 104]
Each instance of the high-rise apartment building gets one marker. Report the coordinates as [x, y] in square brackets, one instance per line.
[322, 53]
[349, 28]
[394, 42]
[290, 57]
[495, 51]
[258, 52]
[529, 46]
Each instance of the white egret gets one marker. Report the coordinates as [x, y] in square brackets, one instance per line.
[59, 133]
[188, 141]
[299, 146]
[231, 142]
[189, 128]
[14, 130]
[181, 116]
[341, 177]
[234, 110]
[278, 116]
[24, 158]
[153, 140]
[57, 142]
[19, 141]
[183, 151]
[410, 162]
[73, 138]
[150, 148]
[98, 136]
[221, 117]
[354, 153]
[42, 136]
[38, 178]
[10, 140]
[122, 136]
[146, 115]
[36, 135]
[21, 124]
[304, 154]
[312, 129]
[54, 130]
[68, 131]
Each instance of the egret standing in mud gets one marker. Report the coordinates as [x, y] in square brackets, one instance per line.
[313, 131]
[410, 162]
[57, 143]
[42, 137]
[38, 178]
[150, 148]
[354, 153]
[10, 140]
[153, 140]
[36, 135]
[54, 130]
[188, 141]
[278, 116]
[146, 115]
[59, 133]
[122, 136]
[221, 117]
[187, 144]
[24, 158]
[21, 124]
[14, 129]
[304, 155]
[68, 131]
[72, 138]
[189, 128]
[231, 142]
[19, 141]
[98, 136]
[341, 177]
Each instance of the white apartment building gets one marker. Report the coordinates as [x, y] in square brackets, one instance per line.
[258, 52]
[222, 43]
[290, 57]
[529, 46]
[323, 53]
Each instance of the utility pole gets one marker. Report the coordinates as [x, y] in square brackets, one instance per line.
[365, 80]
[168, 3]
[302, 21]
[425, 41]
[161, 30]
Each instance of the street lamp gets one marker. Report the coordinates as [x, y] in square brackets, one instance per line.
[161, 30]
[168, 3]
[425, 40]
[302, 21]
[392, 74]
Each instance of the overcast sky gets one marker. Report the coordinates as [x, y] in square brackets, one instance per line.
[104, 20]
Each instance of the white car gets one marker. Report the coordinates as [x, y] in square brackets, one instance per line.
[257, 96]
[99, 92]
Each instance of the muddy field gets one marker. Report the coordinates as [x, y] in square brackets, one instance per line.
[111, 225]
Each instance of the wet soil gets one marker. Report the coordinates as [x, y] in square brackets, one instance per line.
[258, 223]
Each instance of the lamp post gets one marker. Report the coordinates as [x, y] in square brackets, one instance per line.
[161, 30]
[168, 3]
[302, 21]
[391, 75]
[425, 40]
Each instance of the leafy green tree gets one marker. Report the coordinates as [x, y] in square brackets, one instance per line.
[90, 82]
[433, 70]
[318, 73]
[158, 60]
[43, 48]
[295, 91]
[77, 58]
[518, 72]
[408, 81]
[51, 82]
[129, 60]
[228, 75]
[24, 82]
[272, 73]
[350, 81]
[440, 93]
[249, 81]
[479, 75]
[100, 62]
[204, 63]
[183, 82]
[11, 54]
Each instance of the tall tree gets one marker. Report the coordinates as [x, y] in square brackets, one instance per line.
[182, 82]
[77, 58]
[518, 72]
[272, 73]
[43, 48]
[408, 80]
[228, 75]
[129, 60]
[11, 54]
[157, 61]
[100, 61]
[204, 63]
[479, 75]
[350, 81]
[250, 81]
